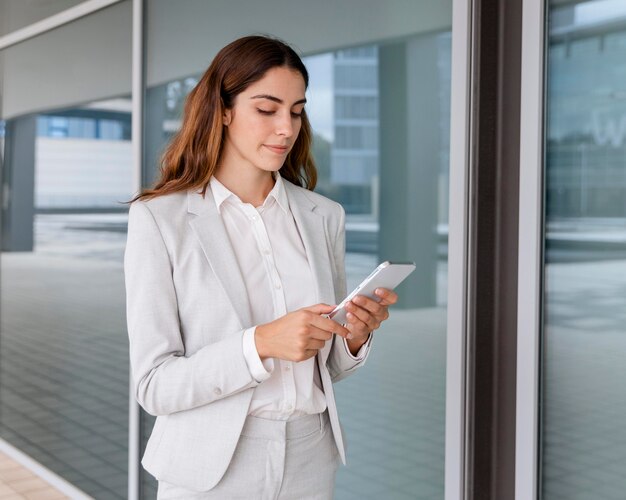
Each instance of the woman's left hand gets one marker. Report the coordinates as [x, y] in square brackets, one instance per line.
[366, 315]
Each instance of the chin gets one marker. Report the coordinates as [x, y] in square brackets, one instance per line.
[272, 168]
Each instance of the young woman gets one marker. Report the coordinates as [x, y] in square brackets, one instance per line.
[231, 262]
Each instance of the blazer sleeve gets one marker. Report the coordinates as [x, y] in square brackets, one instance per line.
[164, 379]
[340, 362]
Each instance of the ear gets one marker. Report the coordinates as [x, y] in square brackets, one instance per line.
[227, 117]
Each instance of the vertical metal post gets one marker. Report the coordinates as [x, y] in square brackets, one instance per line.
[492, 246]
[457, 251]
[530, 251]
[134, 431]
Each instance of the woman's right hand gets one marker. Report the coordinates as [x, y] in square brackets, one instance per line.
[298, 335]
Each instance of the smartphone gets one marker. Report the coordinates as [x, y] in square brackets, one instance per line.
[388, 275]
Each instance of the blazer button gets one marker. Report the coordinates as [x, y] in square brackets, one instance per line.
[217, 391]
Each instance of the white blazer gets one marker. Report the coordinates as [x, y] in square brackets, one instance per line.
[187, 309]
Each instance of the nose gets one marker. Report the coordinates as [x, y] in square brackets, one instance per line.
[284, 125]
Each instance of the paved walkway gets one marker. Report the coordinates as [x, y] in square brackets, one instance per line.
[18, 483]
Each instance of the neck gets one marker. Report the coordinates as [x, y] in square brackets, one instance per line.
[250, 185]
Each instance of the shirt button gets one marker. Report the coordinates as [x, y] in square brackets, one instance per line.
[287, 368]
[289, 407]
[254, 217]
[277, 285]
[217, 391]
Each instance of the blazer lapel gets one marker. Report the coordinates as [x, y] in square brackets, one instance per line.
[213, 238]
[310, 224]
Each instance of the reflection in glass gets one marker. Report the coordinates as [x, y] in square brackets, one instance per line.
[64, 354]
[583, 407]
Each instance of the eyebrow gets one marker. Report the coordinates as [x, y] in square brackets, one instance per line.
[276, 99]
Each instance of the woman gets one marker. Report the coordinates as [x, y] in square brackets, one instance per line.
[224, 259]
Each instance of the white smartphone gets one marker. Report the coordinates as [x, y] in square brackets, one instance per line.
[388, 275]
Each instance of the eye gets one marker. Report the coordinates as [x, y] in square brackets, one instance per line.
[264, 111]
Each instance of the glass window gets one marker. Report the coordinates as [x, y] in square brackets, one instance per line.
[584, 341]
[64, 374]
[392, 181]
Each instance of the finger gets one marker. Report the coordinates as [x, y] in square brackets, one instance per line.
[370, 305]
[319, 308]
[357, 326]
[319, 334]
[359, 312]
[373, 320]
[309, 353]
[388, 297]
[315, 344]
[329, 325]
[356, 314]
[312, 345]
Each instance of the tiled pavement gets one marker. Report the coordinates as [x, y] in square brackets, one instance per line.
[18, 483]
[584, 409]
[64, 357]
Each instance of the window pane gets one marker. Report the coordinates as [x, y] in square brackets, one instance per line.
[380, 117]
[584, 345]
[63, 344]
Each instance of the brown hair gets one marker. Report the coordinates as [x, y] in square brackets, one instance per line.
[193, 154]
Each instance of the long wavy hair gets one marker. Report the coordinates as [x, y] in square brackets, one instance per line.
[194, 153]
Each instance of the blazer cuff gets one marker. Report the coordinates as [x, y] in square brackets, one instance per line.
[260, 370]
[362, 352]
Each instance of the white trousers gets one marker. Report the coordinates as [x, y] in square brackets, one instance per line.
[275, 460]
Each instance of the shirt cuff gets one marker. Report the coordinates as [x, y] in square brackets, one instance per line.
[360, 355]
[260, 370]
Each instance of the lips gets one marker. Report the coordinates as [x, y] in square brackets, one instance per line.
[277, 148]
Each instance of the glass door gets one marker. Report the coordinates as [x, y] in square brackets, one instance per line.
[583, 403]
[379, 104]
[572, 274]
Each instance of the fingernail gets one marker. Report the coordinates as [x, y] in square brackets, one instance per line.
[378, 292]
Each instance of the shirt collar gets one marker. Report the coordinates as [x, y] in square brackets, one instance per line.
[280, 193]
[221, 193]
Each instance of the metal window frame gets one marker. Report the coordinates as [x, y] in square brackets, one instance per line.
[530, 277]
[458, 234]
[138, 94]
[492, 265]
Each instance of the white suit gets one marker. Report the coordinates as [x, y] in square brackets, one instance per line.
[187, 309]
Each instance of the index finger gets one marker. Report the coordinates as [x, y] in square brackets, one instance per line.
[388, 297]
[330, 326]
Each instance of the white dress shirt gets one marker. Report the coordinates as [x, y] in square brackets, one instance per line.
[278, 279]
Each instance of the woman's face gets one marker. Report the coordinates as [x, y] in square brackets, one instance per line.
[264, 122]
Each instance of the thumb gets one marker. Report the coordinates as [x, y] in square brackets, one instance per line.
[319, 308]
